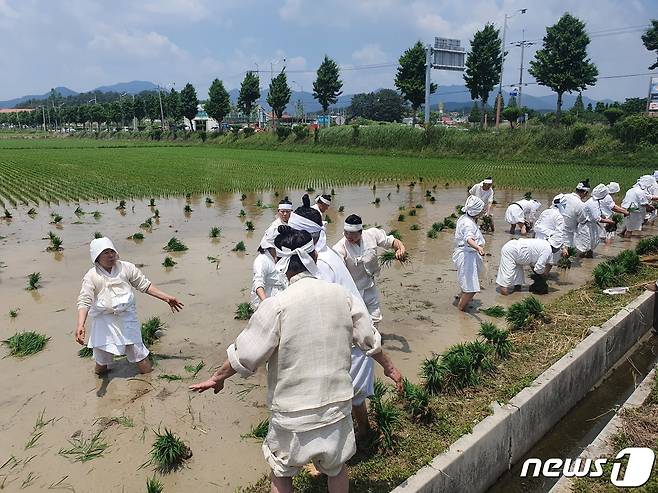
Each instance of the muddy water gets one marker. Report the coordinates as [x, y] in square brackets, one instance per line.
[419, 319]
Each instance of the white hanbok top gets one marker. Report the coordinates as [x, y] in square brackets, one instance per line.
[487, 196]
[467, 228]
[634, 198]
[549, 222]
[573, 212]
[607, 203]
[110, 299]
[592, 210]
[304, 335]
[266, 276]
[532, 251]
[522, 211]
[361, 259]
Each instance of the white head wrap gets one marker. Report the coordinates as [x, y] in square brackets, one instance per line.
[600, 191]
[473, 206]
[559, 202]
[97, 246]
[352, 228]
[285, 207]
[300, 223]
[556, 240]
[488, 181]
[613, 187]
[582, 186]
[303, 253]
[536, 205]
[655, 174]
[320, 198]
[646, 181]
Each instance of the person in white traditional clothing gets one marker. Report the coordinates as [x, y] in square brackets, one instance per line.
[322, 203]
[358, 249]
[468, 252]
[523, 214]
[107, 297]
[551, 222]
[637, 202]
[517, 254]
[332, 269]
[609, 207]
[589, 232]
[282, 215]
[653, 191]
[267, 280]
[573, 211]
[484, 191]
[304, 335]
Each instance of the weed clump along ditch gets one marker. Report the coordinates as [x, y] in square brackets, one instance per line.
[522, 314]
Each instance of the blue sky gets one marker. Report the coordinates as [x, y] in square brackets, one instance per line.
[82, 44]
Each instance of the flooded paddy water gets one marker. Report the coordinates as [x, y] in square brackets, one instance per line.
[417, 304]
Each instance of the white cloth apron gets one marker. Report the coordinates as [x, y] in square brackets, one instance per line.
[588, 236]
[469, 265]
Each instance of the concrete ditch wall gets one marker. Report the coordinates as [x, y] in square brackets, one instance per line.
[475, 461]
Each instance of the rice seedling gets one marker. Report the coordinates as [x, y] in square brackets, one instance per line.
[377, 201]
[258, 432]
[412, 212]
[86, 352]
[417, 402]
[121, 206]
[387, 258]
[415, 227]
[32, 212]
[156, 214]
[170, 377]
[152, 202]
[499, 339]
[153, 485]
[168, 452]
[215, 232]
[401, 217]
[432, 199]
[150, 330]
[402, 208]
[432, 234]
[428, 194]
[136, 236]
[174, 246]
[458, 208]
[629, 260]
[449, 222]
[239, 247]
[432, 374]
[327, 219]
[539, 284]
[243, 196]
[188, 209]
[34, 438]
[56, 218]
[214, 260]
[55, 243]
[341, 208]
[33, 281]
[7, 214]
[98, 234]
[395, 234]
[147, 224]
[243, 311]
[259, 203]
[379, 390]
[458, 369]
[386, 418]
[193, 370]
[242, 213]
[209, 201]
[388, 195]
[608, 274]
[494, 311]
[188, 196]
[487, 225]
[85, 450]
[249, 226]
[310, 189]
[418, 206]
[29, 480]
[78, 211]
[438, 226]
[13, 313]
[522, 314]
[572, 251]
[26, 343]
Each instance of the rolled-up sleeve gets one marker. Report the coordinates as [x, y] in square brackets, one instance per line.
[136, 277]
[256, 343]
[364, 335]
[86, 296]
[382, 239]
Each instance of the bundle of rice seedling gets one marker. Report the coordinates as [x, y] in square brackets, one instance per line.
[258, 432]
[242, 213]
[522, 314]
[26, 343]
[395, 234]
[415, 227]
[494, 311]
[33, 281]
[608, 274]
[386, 418]
[433, 234]
[188, 209]
[539, 285]
[168, 452]
[527, 195]
[327, 219]
[150, 330]
[175, 246]
[449, 222]
[215, 232]
[572, 251]
[438, 226]
[147, 224]
[152, 203]
[401, 217]
[487, 225]
[629, 261]
[417, 402]
[98, 234]
[137, 237]
[458, 369]
[209, 201]
[249, 225]
[458, 208]
[168, 262]
[412, 212]
[56, 218]
[243, 311]
[432, 374]
[153, 485]
[122, 205]
[86, 352]
[388, 257]
[341, 208]
[239, 247]
[647, 245]
[499, 339]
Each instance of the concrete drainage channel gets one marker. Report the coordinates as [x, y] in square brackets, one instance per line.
[476, 461]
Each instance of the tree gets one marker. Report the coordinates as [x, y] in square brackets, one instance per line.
[589, 108]
[511, 114]
[249, 93]
[218, 104]
[475, 116]
[650, 40]
[388, 106]
[600, 107]
[173, 105]
[327, 85]
[578, 106]
[634, 105]
[362, 105]
[139, 109]
[562, 63]
[613, 114]
[410, 77]
[512, 102]
[189, 102]
[483, 64]
[278, 95]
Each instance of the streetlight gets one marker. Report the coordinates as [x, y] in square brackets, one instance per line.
[502, 65]
[523, 43]
[300, 100]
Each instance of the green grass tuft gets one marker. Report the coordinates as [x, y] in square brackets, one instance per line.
[243, 311]
[522, 314]
[494, 311]
[258, 432]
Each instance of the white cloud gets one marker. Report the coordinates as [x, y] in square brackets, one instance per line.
[135, 44]
[369, 54]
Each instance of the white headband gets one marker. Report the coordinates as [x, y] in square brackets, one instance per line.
[320, 198]
[300, 223]
[303, 252]
[285, 207]
[488, 181]
[352, 228]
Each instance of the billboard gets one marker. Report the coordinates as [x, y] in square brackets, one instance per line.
[653, 94]
[448, 54]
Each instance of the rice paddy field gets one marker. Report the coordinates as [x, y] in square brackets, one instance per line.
[37, 171]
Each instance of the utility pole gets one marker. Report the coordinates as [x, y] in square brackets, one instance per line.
[502, 66]
[523, 43]
[428, 82]
[161, 110]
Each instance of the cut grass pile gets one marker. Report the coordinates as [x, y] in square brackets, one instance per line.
[26, 343]
[82, 450]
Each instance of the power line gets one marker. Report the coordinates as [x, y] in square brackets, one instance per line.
[605, 32]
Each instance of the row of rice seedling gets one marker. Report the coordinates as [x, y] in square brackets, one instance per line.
[613, 272]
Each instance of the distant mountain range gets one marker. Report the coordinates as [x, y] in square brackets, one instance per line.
[454, 97]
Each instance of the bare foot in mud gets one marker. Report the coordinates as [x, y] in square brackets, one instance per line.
[101, 370]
